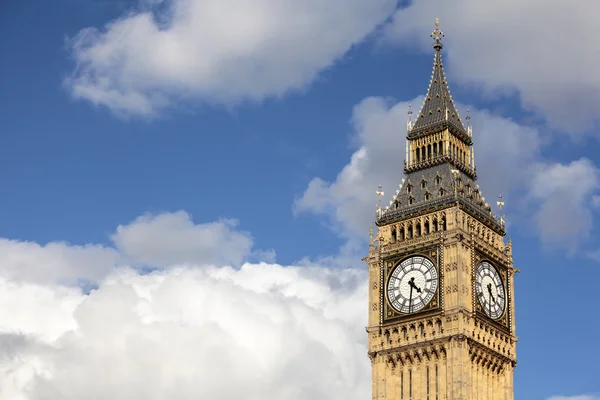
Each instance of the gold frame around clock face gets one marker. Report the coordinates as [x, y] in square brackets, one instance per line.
[412, 284]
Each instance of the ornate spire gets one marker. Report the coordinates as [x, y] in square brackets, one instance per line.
[438, 109]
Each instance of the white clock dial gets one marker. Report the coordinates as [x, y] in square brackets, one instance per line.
[490, 290]
[412, 284]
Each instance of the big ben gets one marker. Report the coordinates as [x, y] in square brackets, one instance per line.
[441, 293]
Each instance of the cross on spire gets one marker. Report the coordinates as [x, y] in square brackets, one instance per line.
[379, 193]
[500, 202]
[437, 35]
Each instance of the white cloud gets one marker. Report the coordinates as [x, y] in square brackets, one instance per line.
[189, 333]
[28, 261]
[173, 238]
[351, 200]
[564, 191]
[216, 51]
[582, 397]
[546, 54]
[150, 240]
[508, 161]
[42, 311]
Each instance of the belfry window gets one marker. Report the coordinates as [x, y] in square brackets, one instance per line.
[393, 234]
[426, 227]
[402, 236]
[418, 229]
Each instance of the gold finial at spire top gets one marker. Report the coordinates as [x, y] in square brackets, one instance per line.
[437, 35]
[379, 194]
[500, 202]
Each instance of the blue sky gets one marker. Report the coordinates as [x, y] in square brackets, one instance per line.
[288, 131]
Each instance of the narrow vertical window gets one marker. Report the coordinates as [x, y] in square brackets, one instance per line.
[427, 378]
[401, 385]
[410, 384]
[437, 389]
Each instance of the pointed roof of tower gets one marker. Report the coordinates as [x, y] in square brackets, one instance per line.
[444, 181]
[438, 109]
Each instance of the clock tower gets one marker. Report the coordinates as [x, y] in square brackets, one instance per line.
[441, 294]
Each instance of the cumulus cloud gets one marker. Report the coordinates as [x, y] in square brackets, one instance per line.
[173, 238]
[583, 397]
[186, 333]
[28, 261]
[350, 200]
[160, 240]
[565, 195]
[219, 52]
[552, 70]
[508, 158]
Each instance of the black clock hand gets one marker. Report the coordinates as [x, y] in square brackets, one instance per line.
[489, 287]
[413, 285]
[410, 299]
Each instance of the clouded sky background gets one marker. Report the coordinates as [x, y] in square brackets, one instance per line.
[234, 148]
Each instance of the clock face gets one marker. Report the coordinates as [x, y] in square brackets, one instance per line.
[412, 284]
[490, 290]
